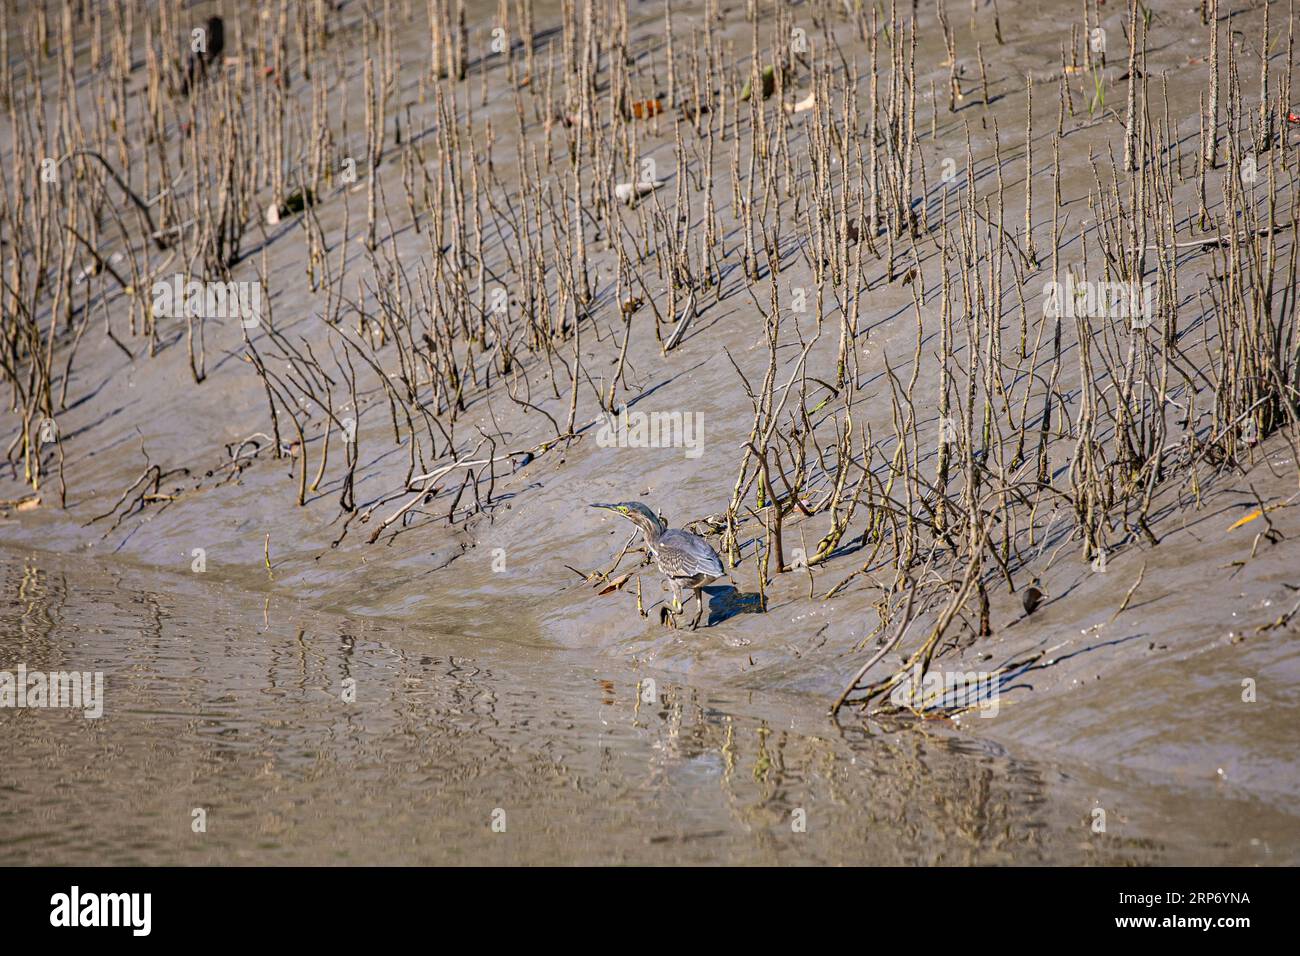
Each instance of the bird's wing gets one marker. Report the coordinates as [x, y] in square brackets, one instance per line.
[690, 555]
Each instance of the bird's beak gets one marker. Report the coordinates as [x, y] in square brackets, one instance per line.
[606, 507]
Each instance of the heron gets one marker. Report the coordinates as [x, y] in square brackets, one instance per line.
[685, 559]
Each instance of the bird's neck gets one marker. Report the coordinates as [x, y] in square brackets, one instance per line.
[651, 534]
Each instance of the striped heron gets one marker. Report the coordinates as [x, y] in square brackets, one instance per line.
[685, 559]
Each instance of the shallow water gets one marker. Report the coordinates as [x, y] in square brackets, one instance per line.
[232, 703]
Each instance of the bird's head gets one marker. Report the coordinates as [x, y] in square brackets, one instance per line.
[639, 515]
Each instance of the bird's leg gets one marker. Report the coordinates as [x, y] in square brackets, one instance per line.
[676, 601]
[699, 600]
[668, 612]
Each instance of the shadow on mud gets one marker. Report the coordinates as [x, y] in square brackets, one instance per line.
[726, 601]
